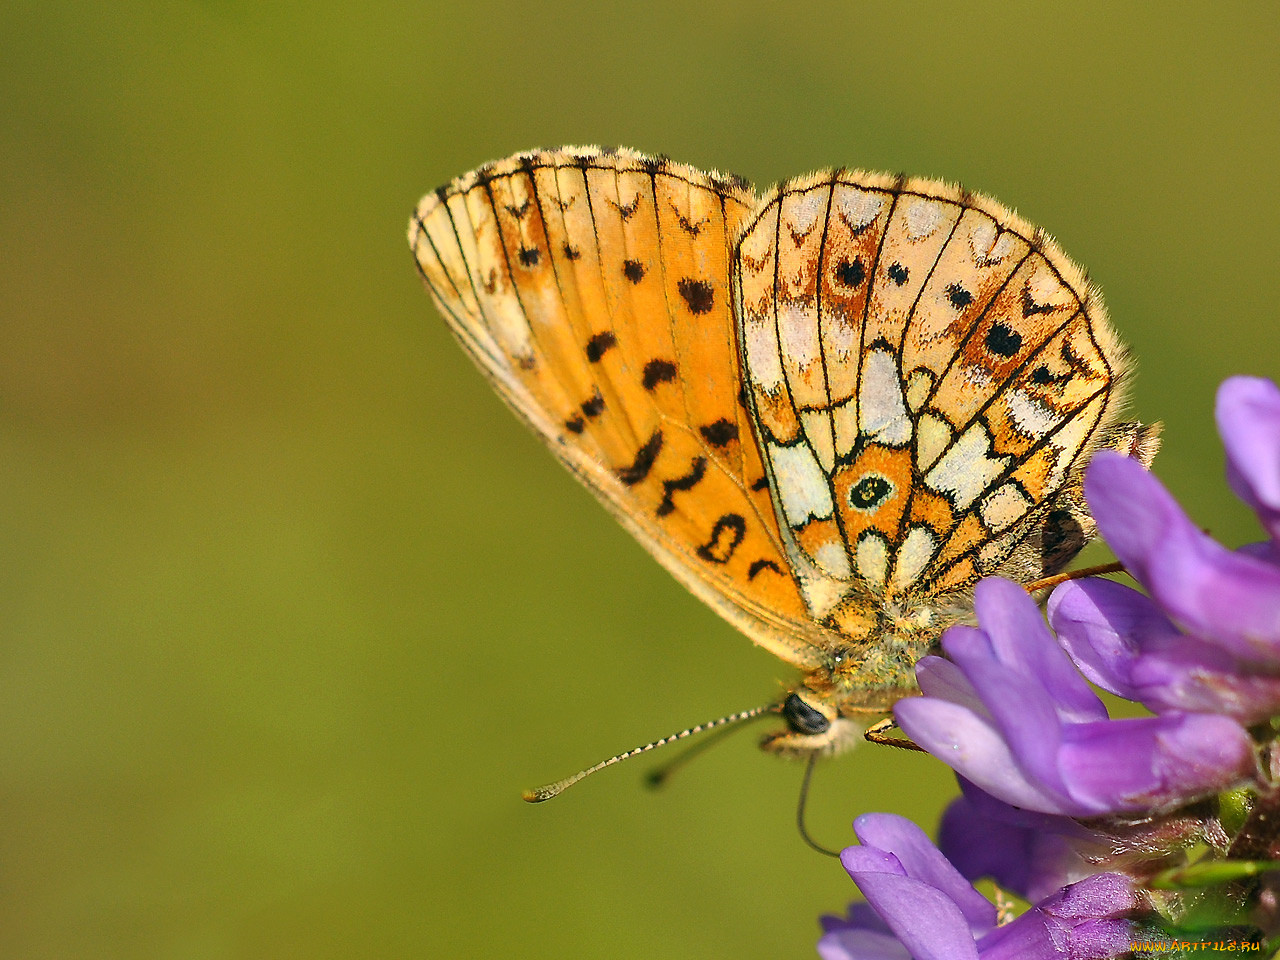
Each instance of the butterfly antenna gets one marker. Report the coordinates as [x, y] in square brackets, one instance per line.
[800, 807]
[658, 777]
[538, 794]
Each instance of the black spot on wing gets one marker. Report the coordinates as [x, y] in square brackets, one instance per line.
[759, 566]
[571, 252]
[697, 294]
[576, 425]
[529, 256]
[869, 492]
[726, 536]
[520, 211]
[1043, 376]
[658, 371]
[719, 433]
[599, 344]
[851, 273]
[1003, 341]
[697, 470]
[761, 484]
[959, 296]
[594, 406]
[633, 270]
[643, 462]
[898, 274]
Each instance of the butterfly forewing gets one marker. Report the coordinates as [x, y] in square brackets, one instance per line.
[592, 290]
[927, 372]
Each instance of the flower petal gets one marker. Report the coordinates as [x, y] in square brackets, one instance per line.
[922, 917]
[923, 861]
[1032, 854]
[862, 935]
[1122, 642]
[1248, 415]
[1095, 620]
[1227, 597]
[1021, 706]
[1020, 639]
[972, 747]
[983, 846]
[1085, 921]
[1138, 764]
[939, 677]
[855, 943]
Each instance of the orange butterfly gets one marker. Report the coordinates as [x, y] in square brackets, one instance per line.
[828, 411]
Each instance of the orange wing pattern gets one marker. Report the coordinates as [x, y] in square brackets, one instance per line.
[927, 372]
[591, 288]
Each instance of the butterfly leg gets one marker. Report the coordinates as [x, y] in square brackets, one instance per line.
[876, 733]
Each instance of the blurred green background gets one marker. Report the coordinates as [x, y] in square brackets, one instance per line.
[293, 608]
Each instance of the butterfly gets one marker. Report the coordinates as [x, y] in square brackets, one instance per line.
[828, 411]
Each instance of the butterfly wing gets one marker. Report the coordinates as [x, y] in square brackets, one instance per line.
[591, 288]
[928, 373]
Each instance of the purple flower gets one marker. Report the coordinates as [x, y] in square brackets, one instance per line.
[1061, 804]
[1035, 854]
[919, 906]
[1208, 637]
[1010, 713]
[1248, 418]
[1030, 854]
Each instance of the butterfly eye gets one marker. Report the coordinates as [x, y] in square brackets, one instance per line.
[802, 718]
[869, 492]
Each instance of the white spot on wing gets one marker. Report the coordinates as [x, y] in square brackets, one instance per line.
[989, 245]
[932, 436]
[821, 593]
[858, 207]
[993, 551]
[873, 558]
[800, 211]
[1045, 287]
[758, 244]
[882, 409]
[764, 366]
[1003, 506]
[918, 384]
[968, 468]
[1029, 415]
[915, 553]
[832, 558]
[800, 484]
[845, 417]
[923, 217]
[840, 339]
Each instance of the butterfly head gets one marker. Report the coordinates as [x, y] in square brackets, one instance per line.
[813, 727]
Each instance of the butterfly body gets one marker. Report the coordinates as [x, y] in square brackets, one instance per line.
[828, 411]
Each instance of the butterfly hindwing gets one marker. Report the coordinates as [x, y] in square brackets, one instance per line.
[591, 288]
[928, 372]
